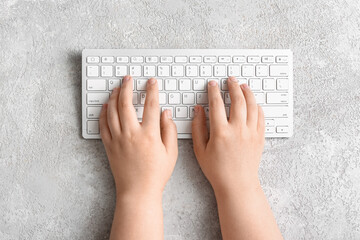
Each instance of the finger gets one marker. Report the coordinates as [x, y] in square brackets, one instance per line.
[112, 113]
[200, 133]
[127, 112]
[261, 120]
[238, 104]
[103, 124]
[251, 106]
[151, 116]
[217, 112]
[168, 132]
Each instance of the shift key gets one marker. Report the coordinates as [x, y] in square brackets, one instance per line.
[97, 98]
[277, 98]
[276, 112]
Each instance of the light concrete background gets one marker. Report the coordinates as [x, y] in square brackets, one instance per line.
[56, 185]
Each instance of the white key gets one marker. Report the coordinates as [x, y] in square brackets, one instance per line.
[224, 84]
[151, 59]
[269, 122]
[97, 98]
[282, 84]
[201, 98]
[113, 83]
[93, 112]
[137, 59]
[188, 98]
[205, 71]
[185, 84]
[210, 59]
[224, 59]
[262, 70]
[122, 59]
[199, 84]
[162, 98]
[195, 59]
[279, 70]
[267, 59]
[135, 71]
[183, 126]
[242, 81]
[107, 59]
[268, 84]
[181, 112]
[93, 59]
[96, 85]
[227, 110]
[174, 98]
[93, 127]
[142, 98]
[181, 59]
[177, 70]
[248, 71]
[207, 111]
[168, 108]
[282, 129]
[259, 97]
[255, 84]
[269, 129]
[227, 98]
[192, 112]
[149, 71]
[92, 71]
[219, 70]
[273, 112]
[170, 84]
[106, 71]
[166, 59]
[239, 59]
[276, 98]
[160, 84]
[163, 71]
[139, 111]
[135, 98]
[191, 71]
[234, 70]
[253, 59]
[281, 59]
[141, 84]
[121, 71]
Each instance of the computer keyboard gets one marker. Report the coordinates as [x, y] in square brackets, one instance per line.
[182, 76]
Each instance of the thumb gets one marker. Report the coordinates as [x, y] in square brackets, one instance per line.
[199, 130]
[168, 132]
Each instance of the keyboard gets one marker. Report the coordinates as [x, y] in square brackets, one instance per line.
[182, 76]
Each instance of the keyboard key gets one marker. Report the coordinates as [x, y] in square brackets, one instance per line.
[282, 129]
[96, 84]
[242, 81]
[192, 71]
[259, 97]
[93, 112]
[199, 84]
[210, 59]
[195, 59]
[239, 59]
[97, 98]
[234, 70]
[107, 59]
[135, 99]
[201, 98]
[227, 98]
[207, 112]
[122, 59]
[219, 70]
[224, 59]
[120, 71]
[227, 110]
[92, 71]
[262, 70]
[192, 112]
[166, 59]
[281, 59]
[113, 84]
[137, 59]
[168, 108]
[162, 98]
[282, 84]
[255, 84]
[248, 70]
[164, 71]
[269, 129]
[106, 71]
[141, 84]
[139, 111]
[268, 84]
[93, 59]
[253, 59]
[279, 70]
[142, 98]
[181, 112]
[205, 71]
[151, 59]
[93, 127]
[183, 126]
[272, 98]
[135, 71]
[267, 59]
[269, 122]
[274, 112]
[149, 71]
[185, 84]
[188, 98]
[174, 98]
[160, 84]
[170, 84]
[224, 84]
[181, 59]
[177, 71]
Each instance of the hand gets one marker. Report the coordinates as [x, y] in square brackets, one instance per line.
[142, 156]
[230, 157]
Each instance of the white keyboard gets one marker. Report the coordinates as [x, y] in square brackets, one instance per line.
[182, 76]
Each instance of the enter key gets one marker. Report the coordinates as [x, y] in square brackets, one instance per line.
[273, 98]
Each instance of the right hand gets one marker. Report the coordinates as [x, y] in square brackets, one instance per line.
[230, 157]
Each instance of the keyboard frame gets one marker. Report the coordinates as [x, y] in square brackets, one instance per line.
[185, 52]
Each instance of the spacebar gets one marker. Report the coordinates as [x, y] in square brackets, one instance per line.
[183, 126]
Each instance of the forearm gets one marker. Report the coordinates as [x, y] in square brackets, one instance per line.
[245, 214]
[138, 217]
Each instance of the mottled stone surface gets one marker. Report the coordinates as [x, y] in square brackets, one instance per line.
[56, 185]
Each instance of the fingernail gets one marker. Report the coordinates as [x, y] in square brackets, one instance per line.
[126, 78]
[152, 81]
[233, 79]
[169, 114]
[212, 83]
[244, 86]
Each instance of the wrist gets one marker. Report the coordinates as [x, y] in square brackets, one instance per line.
[139, 196]
[242, 186]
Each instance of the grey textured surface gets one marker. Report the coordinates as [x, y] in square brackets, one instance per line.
[56, 185]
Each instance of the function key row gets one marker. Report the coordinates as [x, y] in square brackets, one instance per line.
[185, 59]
